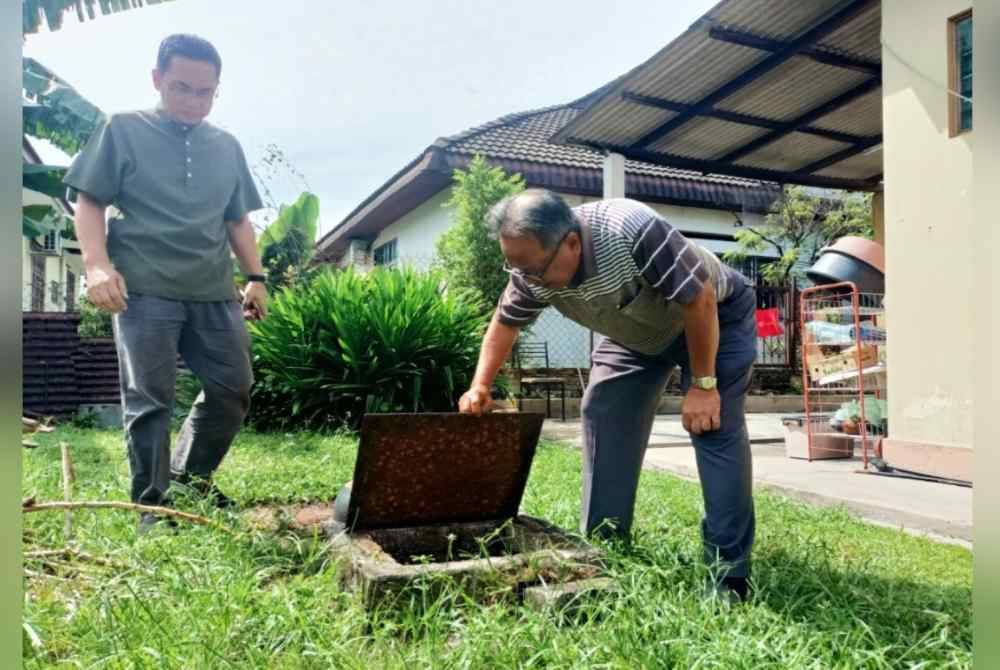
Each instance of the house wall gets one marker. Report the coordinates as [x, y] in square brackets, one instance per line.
[56, 265]
[931, 298]
[417, 233]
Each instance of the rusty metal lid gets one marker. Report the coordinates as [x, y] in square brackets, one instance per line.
[423, 469]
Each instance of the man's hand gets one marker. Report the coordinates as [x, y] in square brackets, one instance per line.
[106, 289]
[255, 301]
[702, 411]
[477, 400]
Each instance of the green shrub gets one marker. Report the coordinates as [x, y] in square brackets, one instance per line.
[93, 322]
[343, 344]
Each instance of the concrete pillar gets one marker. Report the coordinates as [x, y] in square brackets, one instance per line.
[986, 327]
[614, 176]
[878, 216]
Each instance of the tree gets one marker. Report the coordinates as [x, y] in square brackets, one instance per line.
[798, 227]
[287, 244]
[32, 11]
[467, 256]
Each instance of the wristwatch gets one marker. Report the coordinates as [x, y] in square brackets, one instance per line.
[257, 278]
[705, 383]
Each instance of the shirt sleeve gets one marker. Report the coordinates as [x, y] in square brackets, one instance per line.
[99, 167]
[668, 261]
[518, 307]
[245, 197]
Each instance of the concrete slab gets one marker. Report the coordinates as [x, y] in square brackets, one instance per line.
[941, 511]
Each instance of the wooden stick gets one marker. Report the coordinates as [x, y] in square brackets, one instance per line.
[32, 573]
[70, 553]
[115, 504]
[67, 479]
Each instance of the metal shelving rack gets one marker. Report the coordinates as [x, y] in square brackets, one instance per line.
[844, 370]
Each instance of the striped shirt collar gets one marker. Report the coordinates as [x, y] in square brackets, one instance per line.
[588, 261]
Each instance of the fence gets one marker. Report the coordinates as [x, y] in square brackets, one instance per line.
[61, 371]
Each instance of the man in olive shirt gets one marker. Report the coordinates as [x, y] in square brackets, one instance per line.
[181, 192]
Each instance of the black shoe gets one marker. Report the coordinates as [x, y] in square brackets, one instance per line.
[732, 590]
[739, 586]
[219, 499]
[207, 489]
[148, 521]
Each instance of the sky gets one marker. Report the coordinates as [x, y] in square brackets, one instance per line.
[350, 92]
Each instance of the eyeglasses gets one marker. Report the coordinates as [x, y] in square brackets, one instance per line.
[540, 277]
[182, 90]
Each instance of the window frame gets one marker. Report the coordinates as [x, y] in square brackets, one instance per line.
[393, 246]
[954, 76]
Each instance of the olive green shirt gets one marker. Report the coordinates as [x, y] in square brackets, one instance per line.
[174, 187]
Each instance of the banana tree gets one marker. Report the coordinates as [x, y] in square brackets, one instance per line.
[287, 244]
[52, 11]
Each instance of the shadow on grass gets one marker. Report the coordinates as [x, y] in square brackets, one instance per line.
[834, 598]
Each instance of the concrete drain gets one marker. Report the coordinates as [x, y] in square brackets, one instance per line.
[525, 558]
[435, 499]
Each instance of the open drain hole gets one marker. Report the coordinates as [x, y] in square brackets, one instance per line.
[442, 544]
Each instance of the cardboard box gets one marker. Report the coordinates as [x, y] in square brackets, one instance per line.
[826, 443]
[845, 361]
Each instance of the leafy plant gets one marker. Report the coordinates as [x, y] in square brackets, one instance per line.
[466, 255]
[798, 227]
[342, 344]
[33, 11]
[287, 245]
[93, 322]
[53, 110]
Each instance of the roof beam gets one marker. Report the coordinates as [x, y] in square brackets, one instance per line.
[744, 119]
[816, 53]
[807, 38]
[838, 156]
[818, 112]
[720, 168]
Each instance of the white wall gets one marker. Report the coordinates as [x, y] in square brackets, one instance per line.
[930, 295]
[56, 265]
[417, 232]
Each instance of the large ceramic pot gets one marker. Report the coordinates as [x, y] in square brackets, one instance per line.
[851, 259]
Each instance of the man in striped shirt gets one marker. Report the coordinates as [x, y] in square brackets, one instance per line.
[660, 300]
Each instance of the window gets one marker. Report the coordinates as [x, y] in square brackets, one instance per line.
[960, 73]
[37, 283]
[70, 291]
[385, 254]
[51, 241]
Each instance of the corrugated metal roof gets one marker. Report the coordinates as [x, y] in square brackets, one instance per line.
[520, 144]
[696, 65]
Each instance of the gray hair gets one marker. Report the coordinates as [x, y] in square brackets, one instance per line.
[535, 212]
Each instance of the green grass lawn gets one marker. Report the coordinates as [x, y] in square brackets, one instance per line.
[833, 592]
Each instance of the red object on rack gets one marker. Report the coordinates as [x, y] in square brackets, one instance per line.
[769, 322]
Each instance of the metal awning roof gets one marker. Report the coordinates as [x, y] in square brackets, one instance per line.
[776, 90]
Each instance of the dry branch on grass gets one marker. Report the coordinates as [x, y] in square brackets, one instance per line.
[115, 504]
[71, 554]
[67, 481]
